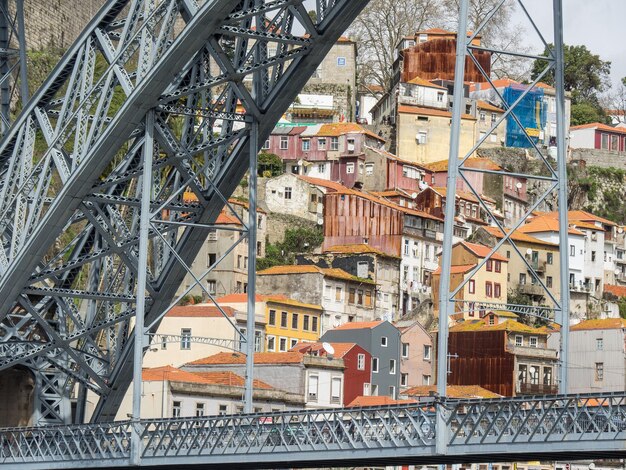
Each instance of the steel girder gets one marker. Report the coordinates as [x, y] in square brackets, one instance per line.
[478, 430]
[71, 168]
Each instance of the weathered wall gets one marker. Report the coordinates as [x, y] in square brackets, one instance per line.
[601, 158]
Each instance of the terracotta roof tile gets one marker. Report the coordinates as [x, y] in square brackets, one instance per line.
[361, 325]
[488, 107]
[284, 300]
[601, 127]
[604, 324]
[619, 291]
[370, 400]
[425, 83]
[231, 379]
[457, 269]
[199, 311]
[323, 183]
[172, 374]
[500, 83]
[453, 391]
[517, 236]
[341, 349]
[482, 251]
[406, 109]
[239, 298]
[259, 358]
[508, 325]
[340, 128]
[581, 216]
[227, 219]
[543, 224]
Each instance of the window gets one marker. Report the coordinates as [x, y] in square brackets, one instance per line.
[334, 143]
[321, 168]
[199, 409]
[266, 144]
[483, 116]
[176, 405]
[294, 321]
[471, 286]
[239, 258]
[212, 235]
[422, 137]
[163, 342]
[350, 168]
[522, 278]
[337, 294]
[314, 324]
[604, 145]
[223, 409]
[369, 169]
[366, 389]
[284, 142]
[532, 341]
[283, 319]
[440, 96]
[392, 391]
[271, 343]
[292, 343]
[599, 344]
[368, 298]
[282, 344]
[427, 352]
[494, 118]
[306, 322]
[599, 371]
[313, 385]
[519, 340]
[306, 145]
[404, 379]
[211, 287]
[549, 281]
[321, 143]
[498, 266]
[375, 364]
[508, 254]
[185, 338]
[341, 61]
[360, 361]
[383, 341]
[405, 350]
[488, 289]
[335, 390]
[497, 290]
[425, 379]
[549, 258]
[272, 317]
[593, 256]
[614, 142]
[533, 372]
[547, 375]
[211, 259]
[287, 192]
[489, 265]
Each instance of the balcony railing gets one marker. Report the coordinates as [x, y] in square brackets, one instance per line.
[536, 389]
[531, 289]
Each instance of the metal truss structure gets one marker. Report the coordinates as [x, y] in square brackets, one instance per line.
[13, 78]
[572, 427]
[156, 98]
[552, 175]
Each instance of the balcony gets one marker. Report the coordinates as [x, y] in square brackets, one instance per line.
[531, 289]
[526, 351]
[536, 389]
[538, 266]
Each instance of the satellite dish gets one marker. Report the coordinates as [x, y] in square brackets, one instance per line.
[620, 230]
[529, 251]
[328, 348]
[413, 195]
[518, 185]
[423, 185]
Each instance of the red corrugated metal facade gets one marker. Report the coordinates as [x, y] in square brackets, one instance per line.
[352, 219]
[436, 59]
[482, 361]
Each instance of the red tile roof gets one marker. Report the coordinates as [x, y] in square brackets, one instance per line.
[259, 358]
[362, 325]
[488, 107]
[239, 298]
[500, 83]
[199, 311]
[172, 374]
[340, 128]
[406, 109]
[363, 401]
[453, 391]
[581, 216]
[457, 269]
[619, 291]
[323, 183]
[517, 236]
[604, 324]
[425, 83]
[482, 251]
[231, 379]
[600, 127]
[542, 224]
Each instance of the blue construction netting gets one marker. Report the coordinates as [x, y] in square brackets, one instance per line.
[531, 113]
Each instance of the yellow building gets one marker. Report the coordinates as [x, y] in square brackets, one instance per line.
[423, 134]
[290, 322]
[488, 285]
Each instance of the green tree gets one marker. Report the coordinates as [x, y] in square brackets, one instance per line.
[585, 113]
[586, 74]
[270, 164]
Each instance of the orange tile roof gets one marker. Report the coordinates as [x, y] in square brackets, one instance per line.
[500, 83]
[508, 325]
[545, 86]
[340, 128]
[341, 349]
[583, 216]
[545, 224]
[312, 269]
[246, 204]
[323, 183]
[259, 358]
[482, 251]
[172, 374]
[199, 311]
[599, 126]
[227, 219]
[586, 225]
[517, 236]
[604, 324]
[453, 391]
[406, 109]
[619, 291]
[239, 298]
[488, 107]
[425, 83]
[473, 162]
[356, 249]
[359, 325]
[231, 379]
[370, 400]
[457, 269]
[284, 300]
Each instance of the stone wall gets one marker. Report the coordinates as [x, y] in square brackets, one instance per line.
[601, 158]
[57, 23]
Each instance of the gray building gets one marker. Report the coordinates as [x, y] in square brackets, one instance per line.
[382, 340]
[597, 356]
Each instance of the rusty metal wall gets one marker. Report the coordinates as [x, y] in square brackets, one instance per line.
[352, 219]
[436, 59]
